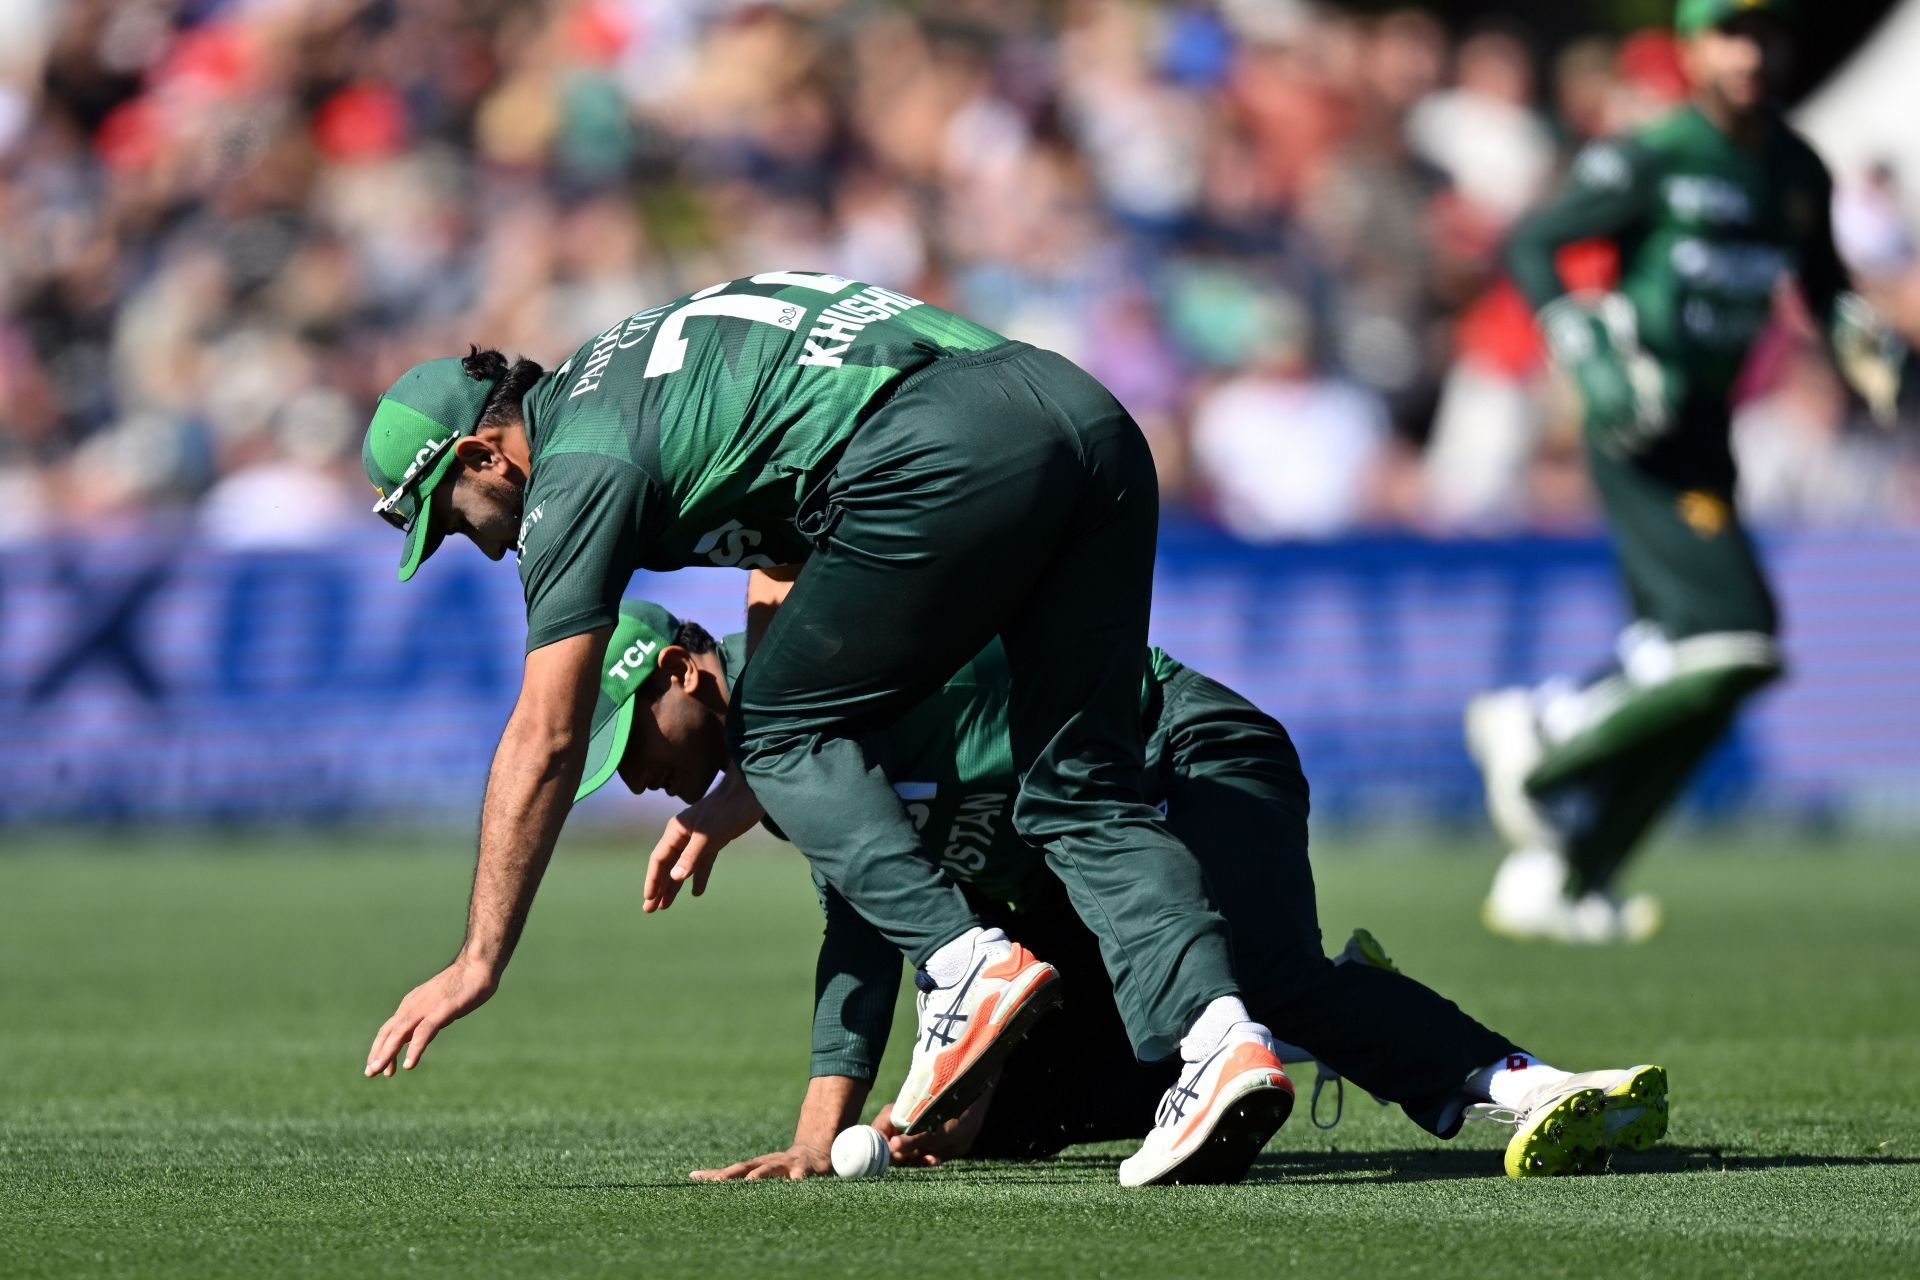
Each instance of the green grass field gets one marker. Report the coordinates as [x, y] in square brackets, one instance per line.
[181, 1031]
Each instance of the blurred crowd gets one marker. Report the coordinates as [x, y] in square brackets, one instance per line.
[1270, 226]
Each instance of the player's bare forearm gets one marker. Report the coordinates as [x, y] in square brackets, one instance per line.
[527, 800]
[832, 1103]
[529, 792]
[766, 590]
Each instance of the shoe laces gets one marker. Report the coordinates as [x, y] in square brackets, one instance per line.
[1175, 1102]
[1323, 1077]
[1494, 1113]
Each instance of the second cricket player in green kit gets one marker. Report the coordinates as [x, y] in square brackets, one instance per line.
[940, 486]
[1230, 782]
[1710, 208]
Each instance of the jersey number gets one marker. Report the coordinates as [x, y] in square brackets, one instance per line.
[670, 349]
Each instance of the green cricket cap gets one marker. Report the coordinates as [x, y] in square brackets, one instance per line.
[633, 655]
[1694, 16]
[409, 447]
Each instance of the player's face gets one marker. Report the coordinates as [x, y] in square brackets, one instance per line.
[678, 746]
[481, 505]
[1739, 62]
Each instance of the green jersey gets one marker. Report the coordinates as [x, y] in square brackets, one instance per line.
[1706, 229]
[689, 433]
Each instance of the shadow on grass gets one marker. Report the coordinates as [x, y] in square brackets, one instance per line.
[1328, 1168]
[1429, 1164]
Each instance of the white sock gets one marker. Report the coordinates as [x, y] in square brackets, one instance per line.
[949, 965]
[1212, 1026]
[1508, 1082]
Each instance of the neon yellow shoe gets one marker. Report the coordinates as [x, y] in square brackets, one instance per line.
[1364, 948]
[1636, 1105]
[1560, 1130]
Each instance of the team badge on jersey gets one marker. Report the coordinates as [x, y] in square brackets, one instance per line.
[1706, 513]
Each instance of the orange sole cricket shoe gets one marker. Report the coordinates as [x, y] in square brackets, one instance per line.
[1215, 1119]
[967, 1031]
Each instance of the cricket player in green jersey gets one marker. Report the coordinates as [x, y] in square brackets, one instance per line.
[1710, 208]
[938, 486]
[1230, 782]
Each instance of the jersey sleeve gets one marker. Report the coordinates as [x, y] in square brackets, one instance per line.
[580, 541]
[1608, 193]
[854, 985]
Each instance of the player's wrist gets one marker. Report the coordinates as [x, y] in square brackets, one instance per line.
[479, 966]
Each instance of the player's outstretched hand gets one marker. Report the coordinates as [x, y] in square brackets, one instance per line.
[793, 1164]
[454, 992]
[692, 841]
[946, 1141]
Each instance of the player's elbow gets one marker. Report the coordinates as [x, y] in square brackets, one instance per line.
[1528, 254]
[543, 736]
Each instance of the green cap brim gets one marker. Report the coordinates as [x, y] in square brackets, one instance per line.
[606, 748]
[422, 540]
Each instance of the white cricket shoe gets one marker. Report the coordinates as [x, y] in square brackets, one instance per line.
[1503, 737]
[1221, 1111]
[1636, 1105]
[1559, 1129]
[967, 1031]
[1528, 902]
[1574, 1125]
[1609, 919]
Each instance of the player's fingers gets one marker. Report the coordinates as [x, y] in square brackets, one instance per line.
[727, 1174]
[737, 1170]
[379, 1038]
[693, 852]
[659, 887]
[423, 1035]
[385, 1045]
[883, 1121]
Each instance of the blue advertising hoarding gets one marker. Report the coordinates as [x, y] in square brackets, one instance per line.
[151, 678]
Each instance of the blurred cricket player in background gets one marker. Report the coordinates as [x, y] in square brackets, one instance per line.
[1230, 782]
[1710, 208]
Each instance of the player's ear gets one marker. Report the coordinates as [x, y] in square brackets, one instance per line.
[677, 665]
[474, 453]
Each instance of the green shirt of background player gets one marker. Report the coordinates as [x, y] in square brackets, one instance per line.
[938, 486]
[1231, 785]
[1711, 209]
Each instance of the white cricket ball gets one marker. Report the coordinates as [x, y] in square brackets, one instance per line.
[860, 1152]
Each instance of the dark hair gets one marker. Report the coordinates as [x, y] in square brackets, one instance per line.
[511, 382]
[694, 638]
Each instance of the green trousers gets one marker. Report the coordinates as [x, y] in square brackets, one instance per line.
[1689, 568]
[1685, 558]
[1235, 794]
[1002, 493]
